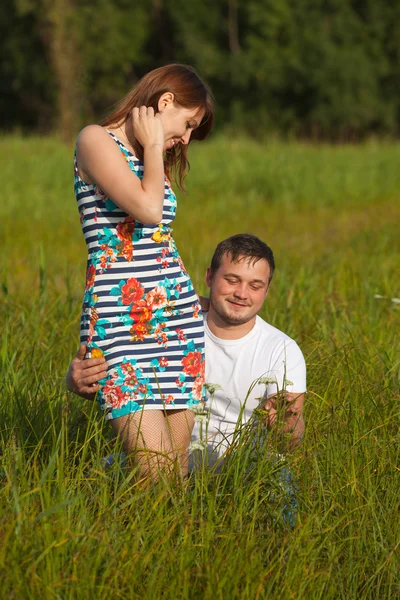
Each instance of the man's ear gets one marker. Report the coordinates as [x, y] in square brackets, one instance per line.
[208, 277]
[165, 100]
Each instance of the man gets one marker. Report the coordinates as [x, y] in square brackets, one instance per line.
[246, 358]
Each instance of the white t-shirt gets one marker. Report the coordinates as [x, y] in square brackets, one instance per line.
[236, 364]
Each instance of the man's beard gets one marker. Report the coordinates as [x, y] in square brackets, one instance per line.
[229, 319]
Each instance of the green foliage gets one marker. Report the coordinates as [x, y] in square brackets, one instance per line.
[326, 70]
[27, 85]
[112, 38]
[71, 529]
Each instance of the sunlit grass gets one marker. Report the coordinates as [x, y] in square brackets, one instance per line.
[69, 529]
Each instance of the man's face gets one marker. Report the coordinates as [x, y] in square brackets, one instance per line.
[238, 289]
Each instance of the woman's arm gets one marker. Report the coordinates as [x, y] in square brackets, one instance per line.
[101, 162]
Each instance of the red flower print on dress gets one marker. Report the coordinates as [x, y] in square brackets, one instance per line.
[196, 309]
[94, 316]
[131, 381]
[144, 388]
[182, 266]
[168, 399]
[157, 298]
[100, 193]
[181, 335]
[103, 263]
[140, 312]
[197, 389]
[163, 361]
[180, 383]
[113, 394]
[125, 228]
[127, 368]
[192, 363]
[139, 331]
[162, 259]
[131, 292]
[125, 231]
[160, 335]
[127, 249]
[90, 276]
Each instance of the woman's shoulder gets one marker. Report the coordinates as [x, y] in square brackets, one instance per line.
[94, 140]
[90, 134]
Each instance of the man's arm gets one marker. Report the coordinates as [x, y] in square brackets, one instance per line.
[82, 375]
[287, 409]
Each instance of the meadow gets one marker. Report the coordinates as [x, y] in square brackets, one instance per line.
[69, 529]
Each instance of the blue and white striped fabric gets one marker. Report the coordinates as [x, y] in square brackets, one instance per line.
[140, 310]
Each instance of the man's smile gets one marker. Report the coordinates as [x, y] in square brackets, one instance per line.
[239, 304]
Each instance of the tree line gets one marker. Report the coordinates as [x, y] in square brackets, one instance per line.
[325, 69]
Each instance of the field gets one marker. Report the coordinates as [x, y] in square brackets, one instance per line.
[71, 530]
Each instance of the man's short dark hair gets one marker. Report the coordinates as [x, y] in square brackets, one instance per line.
[242, 246]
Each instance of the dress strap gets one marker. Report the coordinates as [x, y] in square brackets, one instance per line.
[122, 146]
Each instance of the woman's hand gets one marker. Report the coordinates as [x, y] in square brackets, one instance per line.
[148, 128]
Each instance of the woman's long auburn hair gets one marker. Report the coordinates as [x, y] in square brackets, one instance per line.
[189, 92]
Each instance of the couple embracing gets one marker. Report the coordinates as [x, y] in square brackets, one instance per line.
[147, 350]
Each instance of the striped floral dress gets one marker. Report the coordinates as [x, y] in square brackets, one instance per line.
[140, 310]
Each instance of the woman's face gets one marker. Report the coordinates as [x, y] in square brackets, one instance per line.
[178, 122]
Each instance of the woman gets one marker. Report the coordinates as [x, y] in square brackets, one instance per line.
[140, 310]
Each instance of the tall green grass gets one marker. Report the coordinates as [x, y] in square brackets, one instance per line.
[70, 529]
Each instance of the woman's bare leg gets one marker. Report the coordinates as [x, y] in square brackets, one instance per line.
[146, 437]
[180, 426]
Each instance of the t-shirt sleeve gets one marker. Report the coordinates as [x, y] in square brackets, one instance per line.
[289, 370]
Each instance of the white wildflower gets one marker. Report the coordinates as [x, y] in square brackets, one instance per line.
[212, 387]
[379, 297]
[267, 380]
[286, 382]
[198, 409]
[280, 458]
[201, 417]
[396, 300]
[197, 445]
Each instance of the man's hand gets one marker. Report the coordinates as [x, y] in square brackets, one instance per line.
[204, 303]
[286, 408]
[83, 375]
